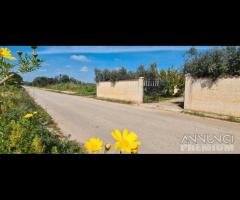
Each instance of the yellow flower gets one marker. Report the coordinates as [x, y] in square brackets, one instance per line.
[36, 145]
[6, 53]
[125, 141]
[94, 145]
[29, 115]
[34, 113]
[16, 134]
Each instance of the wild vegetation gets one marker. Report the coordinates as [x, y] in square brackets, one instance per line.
[214, 63]
[25, 63]
[65, 83]
[25, 127]
[123, 74]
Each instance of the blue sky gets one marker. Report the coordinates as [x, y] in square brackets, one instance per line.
[79, 61]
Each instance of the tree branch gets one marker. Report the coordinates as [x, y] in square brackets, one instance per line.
[6, 78]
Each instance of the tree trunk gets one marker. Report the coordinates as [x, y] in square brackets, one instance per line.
[6, 78]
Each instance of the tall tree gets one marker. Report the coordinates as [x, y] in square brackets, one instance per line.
[122, 73]
[114, 76]
[64, 78]
[232, 56]
[98, 75]
[141, 72]
[106, 75]
[152, 72]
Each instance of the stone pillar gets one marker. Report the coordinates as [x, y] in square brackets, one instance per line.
[187, 92]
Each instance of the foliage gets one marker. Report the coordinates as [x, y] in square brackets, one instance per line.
[19, 134]
[83, 89]
[42, 81]
[171, 79]
[64, 78]
[25, 63]
[123, 74]
[65, 83]
[16, 80]
[214, 63]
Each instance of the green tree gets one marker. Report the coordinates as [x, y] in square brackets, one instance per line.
[64, 78]
[122, 73]
[152, 72]
[16, 79]
[40, 81]
[162, 74]
[192, 52]
[233, 60]
[114, 75]
[131, 75]
[98, 75]
[106, 75]
[141, 72]
[214, 63]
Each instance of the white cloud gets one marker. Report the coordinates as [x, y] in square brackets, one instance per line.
[113, 49]
[81, 58]
[84, 69]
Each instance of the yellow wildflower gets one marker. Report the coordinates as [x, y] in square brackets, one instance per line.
[6, 53]
[125, 141]
[29, 115]
[34, 113]
[36, 145]
[16, 134]
[94, 145]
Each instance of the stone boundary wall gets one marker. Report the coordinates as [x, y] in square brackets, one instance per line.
[220, 97]
[127, 90]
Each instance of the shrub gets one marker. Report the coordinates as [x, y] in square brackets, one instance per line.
[28, 135]
[213, 63]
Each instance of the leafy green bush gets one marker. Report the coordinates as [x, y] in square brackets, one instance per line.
[214, 63]
[28, 135]
[16, 80]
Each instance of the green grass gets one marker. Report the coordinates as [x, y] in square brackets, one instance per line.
[79, 89]
[38, 134]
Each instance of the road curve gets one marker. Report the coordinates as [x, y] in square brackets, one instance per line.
[159, 131]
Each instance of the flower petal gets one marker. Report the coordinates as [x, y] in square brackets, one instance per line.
[117, 135]
[116, 146]
[125, 134]
[132, 136]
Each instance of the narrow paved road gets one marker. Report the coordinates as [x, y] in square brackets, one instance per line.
[159, 131]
